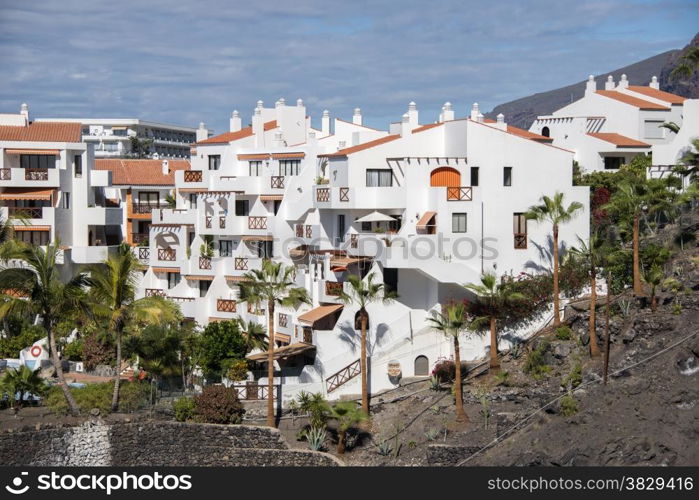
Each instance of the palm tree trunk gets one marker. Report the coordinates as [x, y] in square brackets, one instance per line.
[72, 405]
[117, 378]
[341, 435]
[458, 391]
[494, 360]
[556, 307]
[594, 348]
[653, 300]
[363, 366]
[271, 420]
[637, 288]
[606, 329]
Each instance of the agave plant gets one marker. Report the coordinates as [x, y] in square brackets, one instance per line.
[316, 438]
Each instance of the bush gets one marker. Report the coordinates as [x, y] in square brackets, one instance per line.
[11, 345]
[574, 378]
[218, 405]
[445, 370]
[73, 351]
[535, 364]
[564, 332]
[219, 342]
[133, 396]
[184, 409]
[97, 350]
[569, 406]
[235, 369]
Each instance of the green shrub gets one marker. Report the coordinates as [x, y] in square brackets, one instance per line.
[445, 370]
[218, 405]
[73, 351]
[564, 332]
[569, 406]
[11, 345]
[184, 409]
[503, 379]
[132, 396]
[235, 369]
[574, 378]
[535, 364]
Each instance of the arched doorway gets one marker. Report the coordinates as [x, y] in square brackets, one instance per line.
[546, 132]
[422, 366]
[445, 177]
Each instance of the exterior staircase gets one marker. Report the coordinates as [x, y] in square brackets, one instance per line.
[344, 375]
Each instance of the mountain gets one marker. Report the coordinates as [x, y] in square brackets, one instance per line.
[522, 112]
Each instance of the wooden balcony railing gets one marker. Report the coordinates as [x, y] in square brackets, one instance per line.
[323, 194]
[139, 238]
[146, 208]
[226, 305]
[520, 240]
[283, 320]
[204, 263]
[241, 264]
[155, 292]
[257, 222]
[333, 288]
[5, 174]
[253, 392]
[208, 221]
[354, 240]
[344, 194]
[222, 221]
[36, 174]
[299, 230]
[144, 253]
[309, 231]
[25, 212]
[193, 176]
[166, 253]
[463, 193]
[277, 182]
[344, 375]
[308, 335]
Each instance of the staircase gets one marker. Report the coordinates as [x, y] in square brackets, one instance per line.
[341, 377]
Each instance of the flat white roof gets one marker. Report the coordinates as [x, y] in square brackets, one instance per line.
[119, 121]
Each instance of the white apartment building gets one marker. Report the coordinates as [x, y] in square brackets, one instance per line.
[607, 128]
[111, 136]
[427, 208]
[48, 188]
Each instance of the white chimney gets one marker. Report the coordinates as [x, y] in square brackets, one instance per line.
[405, 125]
[474, 111]
[166, 167]
[258, 130]
[654, 84]
[447, 112]
[479, 118]
[500, 122]
[623, 83]
[325, 123]
[609, 84]
[24, 111]
[357, 116]
[236, 123]
[413, 115]
[202, 132]
[299, 103]
[591, 85]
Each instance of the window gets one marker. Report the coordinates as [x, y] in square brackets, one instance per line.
[612, 162]
[458, 223]
[507, 176]
[173, 279]
[37, 161]
[653, 129]
[289, 167]
[379, 178]
[340, 226]
[264, 249]
[204, 287]
[366, 227]
[242, 207]
[225, 248]
[214, 162]
[520, 229]
[390, 278]
[38, 238]
[546, 132]
[66, 200]
[150, 198]
[474, 176]
[277, 204]
[255, 168]
[193, 200]
[78, 162]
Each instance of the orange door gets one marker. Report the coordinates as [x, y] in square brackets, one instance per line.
[445, 176]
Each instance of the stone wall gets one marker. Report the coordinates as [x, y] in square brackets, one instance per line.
[154, 444]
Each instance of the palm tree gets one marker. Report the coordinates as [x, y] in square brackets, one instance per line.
[273, 284]
[23, 381]
[361, 294]
[493, 299]
[654, 277]
[555, 212]
[452, 322]
[254, 333]
[671, 126]
[347, 414]
[629, 201]
[113, 296]
[38, 290]
[592, 254]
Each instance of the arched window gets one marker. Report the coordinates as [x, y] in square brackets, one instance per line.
[422, 366]
[546, 132]
[445, 176]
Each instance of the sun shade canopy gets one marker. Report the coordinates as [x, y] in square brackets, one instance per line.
[376, 217]
[283, 352]
[320, 312]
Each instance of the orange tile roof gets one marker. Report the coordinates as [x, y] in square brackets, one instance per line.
[426, 127]
[631, 100]
[227, 137]
[619, 140]
[141, 172]
[362, 147]
[658, 94]
[42, 132]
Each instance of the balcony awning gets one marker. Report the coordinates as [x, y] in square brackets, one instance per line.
[239, 279]
[376, 217]
[272, 197]
[254, 156]
[283, 352]
[264, 237]
[31, 228]
[346, 261]
[425, 219]
[282, 156]
[320, 312]
[47, 152]
[199, 277]
[165, 269]
[17, 193]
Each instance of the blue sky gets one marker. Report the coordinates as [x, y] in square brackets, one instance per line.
[186, 62]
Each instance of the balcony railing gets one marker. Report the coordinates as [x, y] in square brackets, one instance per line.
[241, 264]
[193, 176]
[257, 222]
[520, 240]
[299, 230]
[222, 221]
[166, 253]
[181, 300]
[344, 194]
[204, 263]
[343, 376]
[462, 193]
[323, 194]
[253, 392]
[333, 288]
[144, 253]
[354, 240]
[146, 208]
[283, 320]
[208, 221]
[155, 292]
[5, 174]
[25, 212]
[255, 309]
[226, 305]
[277, 182]
[308, 335]
[36, 174]
[139, 238]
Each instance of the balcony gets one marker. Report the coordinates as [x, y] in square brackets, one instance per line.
[205, 263]
[36, 174]
[193, 176]
[167, 254]
[334, 288]
[257, 222]
[29, 177]
[277, 182]
[155, 292]
[240, 264]
[323, 195]
[25, 212]
[140, 238]
[520, 241]
[462, 193]
[146, 208]
[143, 254]
[5, 174]
[174, 216]
[226, 305]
